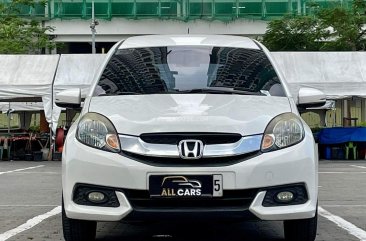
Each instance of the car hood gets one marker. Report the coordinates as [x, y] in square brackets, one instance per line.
[138, 114]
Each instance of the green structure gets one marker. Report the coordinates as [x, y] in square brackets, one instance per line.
[225, 10]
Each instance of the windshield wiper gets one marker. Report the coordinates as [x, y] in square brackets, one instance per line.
[121, 93]
[208, 90]
[221, 90]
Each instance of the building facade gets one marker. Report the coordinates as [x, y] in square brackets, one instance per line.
[119, 19]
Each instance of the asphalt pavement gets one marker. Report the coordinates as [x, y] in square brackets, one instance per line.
[30, 198]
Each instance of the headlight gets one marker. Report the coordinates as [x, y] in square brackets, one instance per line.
[283, 131]
[97, 131]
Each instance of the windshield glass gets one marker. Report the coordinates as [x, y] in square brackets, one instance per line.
[189, 69]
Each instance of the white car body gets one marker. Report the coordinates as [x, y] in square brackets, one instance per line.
[133, 115]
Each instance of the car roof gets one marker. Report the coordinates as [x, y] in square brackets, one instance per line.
[188, 40]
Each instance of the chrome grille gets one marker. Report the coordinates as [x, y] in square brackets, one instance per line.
[175, 138]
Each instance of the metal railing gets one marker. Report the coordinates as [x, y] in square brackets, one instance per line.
[225, 10]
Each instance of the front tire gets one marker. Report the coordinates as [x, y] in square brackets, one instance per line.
[78, 230]
[302, 229]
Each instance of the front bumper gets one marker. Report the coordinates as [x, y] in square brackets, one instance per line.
[296, 164]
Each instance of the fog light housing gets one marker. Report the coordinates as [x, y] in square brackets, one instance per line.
[285, 196]
[89, 195]
[96, 197]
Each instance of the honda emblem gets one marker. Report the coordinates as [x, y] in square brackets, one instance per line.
[190, 149]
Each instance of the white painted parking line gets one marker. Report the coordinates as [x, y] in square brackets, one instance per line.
[27, 205]
[22, 169]
[341, 172]
[20, 172]
[358, 166]
[29, 224]
[344, 205]
[349, 227]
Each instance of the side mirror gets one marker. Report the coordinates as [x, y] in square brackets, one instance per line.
[69, 98]
[310, 97]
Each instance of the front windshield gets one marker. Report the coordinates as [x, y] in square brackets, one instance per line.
[189, 69]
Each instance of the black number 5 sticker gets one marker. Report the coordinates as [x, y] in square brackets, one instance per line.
[217, 186]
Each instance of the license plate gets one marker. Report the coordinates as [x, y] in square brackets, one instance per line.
[185, 186]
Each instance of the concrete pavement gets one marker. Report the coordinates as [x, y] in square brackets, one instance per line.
[31, 189]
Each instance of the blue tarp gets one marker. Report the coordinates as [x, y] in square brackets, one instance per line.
[339, 135]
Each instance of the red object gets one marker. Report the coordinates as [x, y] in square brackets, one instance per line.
[43, 125]
[362, 153]
[60, 135]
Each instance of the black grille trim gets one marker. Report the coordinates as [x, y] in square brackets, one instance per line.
[233, 200]
[202, 162]
[175, 138]
[220, 215]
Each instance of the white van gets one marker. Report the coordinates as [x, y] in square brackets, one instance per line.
[187, 127]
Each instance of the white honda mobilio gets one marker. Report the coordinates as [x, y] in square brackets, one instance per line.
[187, 127]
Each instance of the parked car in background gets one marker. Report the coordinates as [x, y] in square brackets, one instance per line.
[185, 127]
